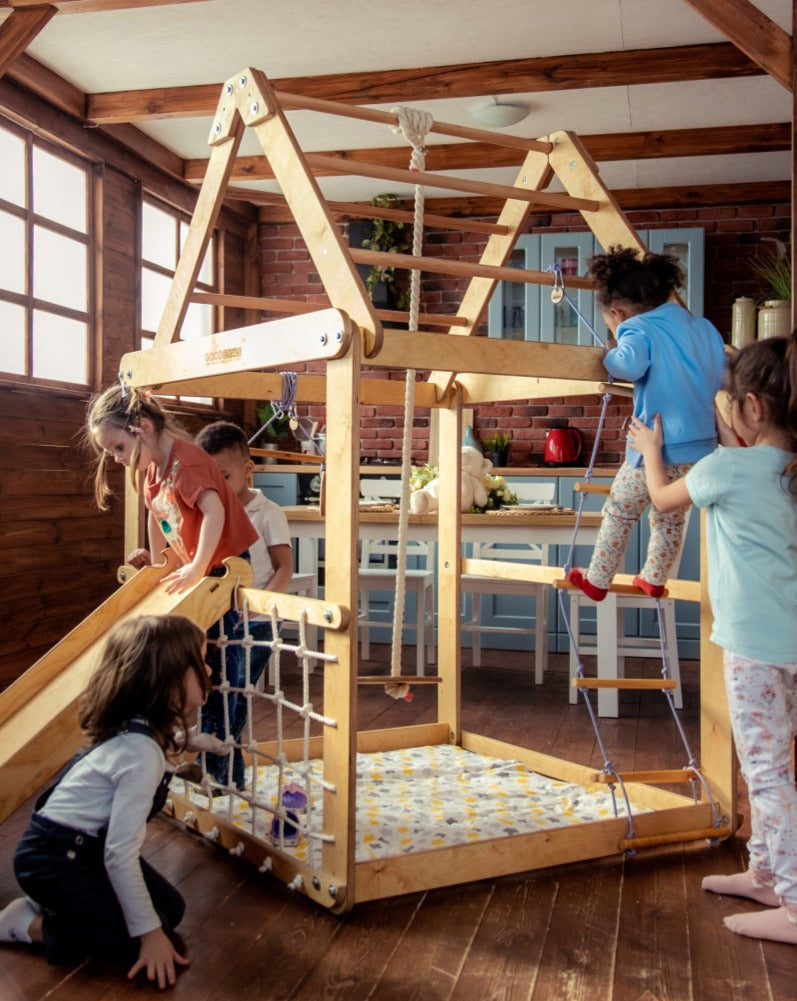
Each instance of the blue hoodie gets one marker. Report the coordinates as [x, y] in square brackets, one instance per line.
[676, 362]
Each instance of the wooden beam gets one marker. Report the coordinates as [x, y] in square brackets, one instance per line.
[93, 6]
[18, 31]
[648, 145]
[511, 76]
[760, 38]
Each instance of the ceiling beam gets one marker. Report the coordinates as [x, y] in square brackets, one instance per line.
[764, 41]
[92, 6]
[273, 209]
[548, 73]
[648, 145]
[18, 31]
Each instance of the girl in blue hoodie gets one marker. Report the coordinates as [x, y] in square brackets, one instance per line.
[676, 363]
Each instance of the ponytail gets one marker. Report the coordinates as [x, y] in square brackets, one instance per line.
[123, 409]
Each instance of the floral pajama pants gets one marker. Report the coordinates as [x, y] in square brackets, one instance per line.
[627, 500]
[763, 704]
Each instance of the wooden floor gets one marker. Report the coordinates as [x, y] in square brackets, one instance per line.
[635, 928]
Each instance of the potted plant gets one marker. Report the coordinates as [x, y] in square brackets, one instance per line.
[774, 314]
[497, 448]
[276, 430]
[389, 237]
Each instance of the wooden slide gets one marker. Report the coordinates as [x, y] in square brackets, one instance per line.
[39, 730]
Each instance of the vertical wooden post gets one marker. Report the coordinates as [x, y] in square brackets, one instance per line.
[717, 757]
[449, 585]
[340, 678]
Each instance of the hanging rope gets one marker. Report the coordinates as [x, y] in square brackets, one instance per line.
[414, 125]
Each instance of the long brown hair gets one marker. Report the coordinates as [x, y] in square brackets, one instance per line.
[142, 673]
[123, 409]
[768, 370]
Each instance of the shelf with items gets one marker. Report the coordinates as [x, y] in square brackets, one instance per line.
[526, 312]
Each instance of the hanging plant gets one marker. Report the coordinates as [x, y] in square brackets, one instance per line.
[387, 236]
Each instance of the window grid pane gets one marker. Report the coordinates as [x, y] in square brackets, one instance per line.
[45, 262]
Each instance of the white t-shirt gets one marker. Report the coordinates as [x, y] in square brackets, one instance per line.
[272, 528]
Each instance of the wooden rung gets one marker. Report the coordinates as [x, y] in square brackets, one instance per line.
[545, 199]
[293, 306]
[533, 573]
[592, 488]
[364, 210]
[398, 679]
[468, 269]
[616, 587]
[298, 457]
[650, 841]
[300, 101]
[615, 389]
[632, 683]
[683, 590]
[653, 777]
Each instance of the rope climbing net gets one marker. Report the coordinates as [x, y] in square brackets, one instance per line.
[275, 799]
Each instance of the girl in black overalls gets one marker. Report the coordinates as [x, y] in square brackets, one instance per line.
[89, 892]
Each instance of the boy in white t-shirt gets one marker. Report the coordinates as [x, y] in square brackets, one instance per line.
[271, 555]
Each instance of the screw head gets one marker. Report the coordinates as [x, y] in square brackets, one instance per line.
[217, 127]
[333, 891]
[324, 338]
[228, 89]
[242, 81]
[327, 615]
[316, 883]
[255, 108]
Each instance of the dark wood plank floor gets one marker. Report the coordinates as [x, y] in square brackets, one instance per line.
[635, 928]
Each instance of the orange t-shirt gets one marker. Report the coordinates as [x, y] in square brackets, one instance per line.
[189, 472]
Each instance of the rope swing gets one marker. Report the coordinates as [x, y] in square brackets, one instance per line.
[414, 125]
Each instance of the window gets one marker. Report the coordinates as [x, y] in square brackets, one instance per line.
[163, 232]
[46, 282]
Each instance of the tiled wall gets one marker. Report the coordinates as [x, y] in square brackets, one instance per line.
[733, 237]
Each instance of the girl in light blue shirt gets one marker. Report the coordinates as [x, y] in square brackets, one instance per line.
[750, 497]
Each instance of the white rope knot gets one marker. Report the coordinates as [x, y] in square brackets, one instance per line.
[414, 124]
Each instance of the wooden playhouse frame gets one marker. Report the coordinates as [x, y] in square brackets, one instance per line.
[464, 370]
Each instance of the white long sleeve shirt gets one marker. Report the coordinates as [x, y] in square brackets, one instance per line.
[113, 787]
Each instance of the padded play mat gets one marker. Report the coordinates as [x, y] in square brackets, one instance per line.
[418, 798]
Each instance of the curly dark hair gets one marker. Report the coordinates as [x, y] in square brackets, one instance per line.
[646, 281]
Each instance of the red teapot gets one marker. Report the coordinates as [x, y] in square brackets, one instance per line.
[562, 446]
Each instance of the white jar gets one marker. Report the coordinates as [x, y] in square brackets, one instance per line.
[743, 321]
[774, 318]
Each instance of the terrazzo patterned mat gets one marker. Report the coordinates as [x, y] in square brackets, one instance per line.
[419, 798]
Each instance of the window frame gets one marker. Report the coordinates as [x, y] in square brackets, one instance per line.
[27, 300]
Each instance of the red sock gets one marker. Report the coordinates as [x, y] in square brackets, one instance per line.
[654, 590]
[576, 577]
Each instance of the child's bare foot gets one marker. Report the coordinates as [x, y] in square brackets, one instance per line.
[741, 884]
[773, 925]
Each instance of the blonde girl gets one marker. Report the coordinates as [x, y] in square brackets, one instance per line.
[191, 507]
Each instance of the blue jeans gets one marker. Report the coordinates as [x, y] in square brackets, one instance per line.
[213, 715]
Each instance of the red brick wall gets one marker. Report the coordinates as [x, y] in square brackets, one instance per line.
[732, 239]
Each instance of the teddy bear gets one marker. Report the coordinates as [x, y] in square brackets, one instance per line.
[473, 491]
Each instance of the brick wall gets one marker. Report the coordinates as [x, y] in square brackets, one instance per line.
[732, 238]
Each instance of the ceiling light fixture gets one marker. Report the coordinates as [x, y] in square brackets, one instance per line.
[499, 116]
